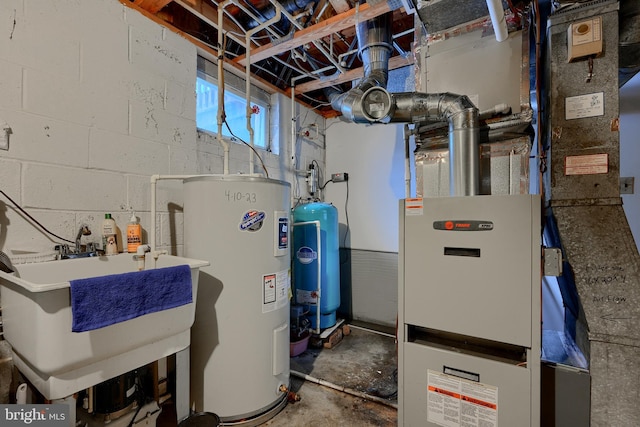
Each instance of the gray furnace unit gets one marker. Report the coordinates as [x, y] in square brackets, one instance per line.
[469, 311]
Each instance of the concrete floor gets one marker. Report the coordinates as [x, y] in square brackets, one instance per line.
[363, 364]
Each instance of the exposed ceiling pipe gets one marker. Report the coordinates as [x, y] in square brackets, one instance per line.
[269, 11]
[249, 111]
[370, 102]
[317, 43]
[496, 12]
[221, 117]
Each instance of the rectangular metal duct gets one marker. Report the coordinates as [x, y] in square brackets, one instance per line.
[439, 15]
[582, 191]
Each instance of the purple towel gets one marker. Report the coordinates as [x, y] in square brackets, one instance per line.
[97, 302]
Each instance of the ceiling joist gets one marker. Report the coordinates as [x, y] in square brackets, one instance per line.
[322, 29]
[197, 21]
[349, 76]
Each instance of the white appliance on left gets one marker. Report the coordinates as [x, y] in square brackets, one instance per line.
[37, 319]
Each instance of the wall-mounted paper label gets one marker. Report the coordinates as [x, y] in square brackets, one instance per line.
[579, 107]
[586, 165]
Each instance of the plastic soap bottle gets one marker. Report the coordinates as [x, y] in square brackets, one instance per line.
[109, 233]
[134, 233]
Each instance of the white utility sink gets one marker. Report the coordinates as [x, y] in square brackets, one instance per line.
[37, 320]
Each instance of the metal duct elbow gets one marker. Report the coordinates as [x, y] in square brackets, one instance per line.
[374, 48]
[378, 105]
[464, 133]
[370, 102]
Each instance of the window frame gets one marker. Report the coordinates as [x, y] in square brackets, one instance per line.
[204, 73]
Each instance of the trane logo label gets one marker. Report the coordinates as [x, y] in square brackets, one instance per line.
[306, 255]
[463, 225]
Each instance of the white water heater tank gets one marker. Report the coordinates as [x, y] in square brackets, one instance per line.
[240, 337]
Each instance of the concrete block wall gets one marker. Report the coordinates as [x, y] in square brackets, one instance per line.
[99, 98]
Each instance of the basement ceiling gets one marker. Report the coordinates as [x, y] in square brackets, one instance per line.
[313, 46]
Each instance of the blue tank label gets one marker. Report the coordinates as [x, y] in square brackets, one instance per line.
[306, 255]
[252, 220]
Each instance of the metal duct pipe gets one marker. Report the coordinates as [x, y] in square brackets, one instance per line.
[629, 43]
[370, 102]
[376, 104]
[374, 48]
[374, 45]
[464, 130]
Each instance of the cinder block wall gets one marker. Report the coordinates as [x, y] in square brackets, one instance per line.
[99, 98]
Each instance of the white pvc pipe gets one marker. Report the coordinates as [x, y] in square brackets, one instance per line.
[21, 394]
[154, 180]
[407, 162]
[294, 128]
[498, 20]
[225, 144]
[248, 36]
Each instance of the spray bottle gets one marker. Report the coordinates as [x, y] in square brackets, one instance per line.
[134, 234]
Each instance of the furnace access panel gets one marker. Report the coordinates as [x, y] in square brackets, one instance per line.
[469, 311]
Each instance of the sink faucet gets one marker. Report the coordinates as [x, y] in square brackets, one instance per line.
[90, 250]
[83, 231]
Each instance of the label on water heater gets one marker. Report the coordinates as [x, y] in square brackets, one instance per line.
[275, 290]
[283, 235]
[252, 220]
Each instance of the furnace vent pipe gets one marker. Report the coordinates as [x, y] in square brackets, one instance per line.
[376, 104]
[374, 48]
[370, 102]
[464, 128]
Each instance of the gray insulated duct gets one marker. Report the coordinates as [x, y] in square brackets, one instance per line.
[370, 102]
[602, 260]
[629, 40]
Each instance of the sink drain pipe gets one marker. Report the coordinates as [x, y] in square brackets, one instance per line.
[347, 390]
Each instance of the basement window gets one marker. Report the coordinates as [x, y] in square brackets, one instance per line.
[235, 105]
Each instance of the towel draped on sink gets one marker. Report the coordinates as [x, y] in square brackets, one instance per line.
[101, 301]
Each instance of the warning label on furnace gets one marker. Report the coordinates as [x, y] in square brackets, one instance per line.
[414, 206]
[455, 402]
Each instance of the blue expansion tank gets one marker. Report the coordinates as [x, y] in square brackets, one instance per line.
[316, 258]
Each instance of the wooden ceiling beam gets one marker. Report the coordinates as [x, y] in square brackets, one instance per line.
[152, 6]
[351, 75]
[322, 29]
